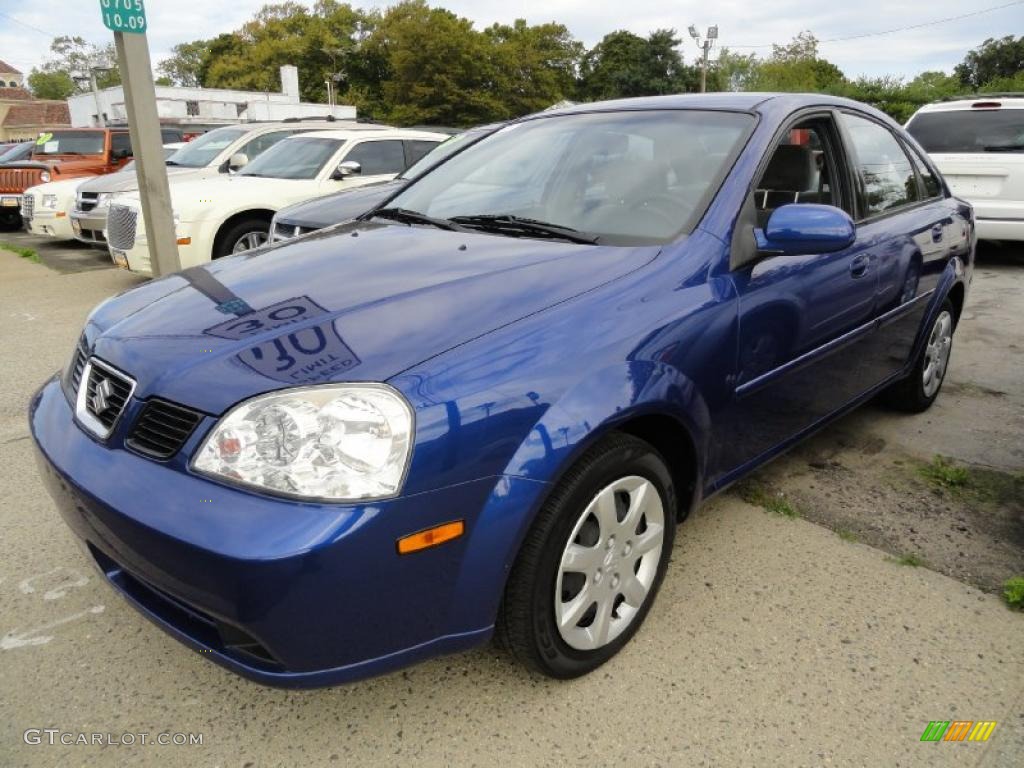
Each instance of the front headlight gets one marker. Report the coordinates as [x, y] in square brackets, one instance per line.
[335, 442]
[44, 177]
[49, 201]
[103, 199]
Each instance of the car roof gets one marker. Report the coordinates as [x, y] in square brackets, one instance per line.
[989, 100]
[360, 131]
[745, 101]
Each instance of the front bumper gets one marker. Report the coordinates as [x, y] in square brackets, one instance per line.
[90, 226]
[284, 593]
[51, 223]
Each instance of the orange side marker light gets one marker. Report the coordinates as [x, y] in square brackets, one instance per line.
[431, 537]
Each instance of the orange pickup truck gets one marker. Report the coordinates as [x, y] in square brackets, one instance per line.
[62, 154]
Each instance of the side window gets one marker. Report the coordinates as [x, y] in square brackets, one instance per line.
[885, 170]
[802, 169]
[377, 157]
[121, 145]
[416, 150]
[261, 144]
[932, 187]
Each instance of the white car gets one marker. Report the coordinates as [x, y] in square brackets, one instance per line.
[230, 214]
[47, 209]
[217, 153]
[978, 145]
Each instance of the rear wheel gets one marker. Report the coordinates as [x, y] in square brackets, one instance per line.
[593, 561]
[244, 235]
[918, 391]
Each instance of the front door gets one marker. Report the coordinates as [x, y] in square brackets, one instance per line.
[804, 321]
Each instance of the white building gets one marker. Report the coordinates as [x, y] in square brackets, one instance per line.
[207, 106]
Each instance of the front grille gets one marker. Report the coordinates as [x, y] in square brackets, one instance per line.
[86, 201]
[19, 179]
[78, 364]
[162, 428]
[102, 397]
[121, 224]
[28, 204]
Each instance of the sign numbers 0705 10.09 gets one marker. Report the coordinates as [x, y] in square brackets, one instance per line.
[124, 15]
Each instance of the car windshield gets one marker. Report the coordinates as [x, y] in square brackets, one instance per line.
[202, 151]
[443, 150]
[17, 152]
[130, 166]
[299, 157]
[633, 177]
[977, 130]
[70, 143]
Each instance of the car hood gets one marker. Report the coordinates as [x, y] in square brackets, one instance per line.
[361, 302]
[338, 207]
[126, 181]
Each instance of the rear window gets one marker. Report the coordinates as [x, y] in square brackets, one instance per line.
[977, 130]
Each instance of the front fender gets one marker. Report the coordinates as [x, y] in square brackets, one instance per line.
[589, 410]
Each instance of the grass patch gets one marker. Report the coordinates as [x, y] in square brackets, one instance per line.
[759, 496]
[910, 560]
[25, 253]
[846, 535]
[944, 474]
[1013, 592]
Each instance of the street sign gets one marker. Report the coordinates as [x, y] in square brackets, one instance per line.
[124, 15]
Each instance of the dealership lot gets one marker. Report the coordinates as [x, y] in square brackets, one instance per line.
[769, 631]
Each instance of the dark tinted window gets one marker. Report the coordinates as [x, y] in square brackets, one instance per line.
[888, 176]
[977, 130]
[418, 149]
[121, 143]
[932, 187]
[378, 157]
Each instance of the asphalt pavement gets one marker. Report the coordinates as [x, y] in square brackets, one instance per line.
[774, 642]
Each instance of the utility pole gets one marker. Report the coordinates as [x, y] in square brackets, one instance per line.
[330, 102]
[127, 20]
[706, 45]
[100, 121]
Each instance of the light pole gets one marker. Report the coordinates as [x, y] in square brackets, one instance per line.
[330, 103]
[103, 66]
[706, 44]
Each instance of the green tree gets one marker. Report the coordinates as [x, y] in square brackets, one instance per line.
[733, 71]
[69, 61]
[186, 63]
[624, 64]
[51, 85]
[993, 59]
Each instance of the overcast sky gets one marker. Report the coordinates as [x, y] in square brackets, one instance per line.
[26, 26]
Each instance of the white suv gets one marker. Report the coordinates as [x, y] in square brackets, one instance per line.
[229, 214]
[978, 144]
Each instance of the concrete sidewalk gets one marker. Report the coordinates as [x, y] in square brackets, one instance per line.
[772, 643]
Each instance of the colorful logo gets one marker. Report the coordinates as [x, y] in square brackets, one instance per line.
[958, 730]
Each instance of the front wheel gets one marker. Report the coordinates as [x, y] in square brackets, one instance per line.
[918, 391]
[242, 236]
[593, 561]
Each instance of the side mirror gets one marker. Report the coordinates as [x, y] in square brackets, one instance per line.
[347, 168]
[120, 154]
[238, 161]
[803, 229]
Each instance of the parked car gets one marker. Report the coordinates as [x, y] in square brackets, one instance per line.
[45, 208]
[218, 217]
[57, 155]
[220, 152]
[312, 215]
[486, 406]
[978, 145]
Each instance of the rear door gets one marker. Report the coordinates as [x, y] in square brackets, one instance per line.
[379, 160]
[903, 211]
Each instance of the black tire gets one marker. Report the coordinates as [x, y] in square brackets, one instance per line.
[910, 394]
[526, 624]
[10, 220]
[227, 238]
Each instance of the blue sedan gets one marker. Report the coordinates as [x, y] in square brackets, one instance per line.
[484, 407]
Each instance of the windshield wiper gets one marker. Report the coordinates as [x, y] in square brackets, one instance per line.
[1004, 148]
[407, 216]
[505, 223]
[171, 162]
